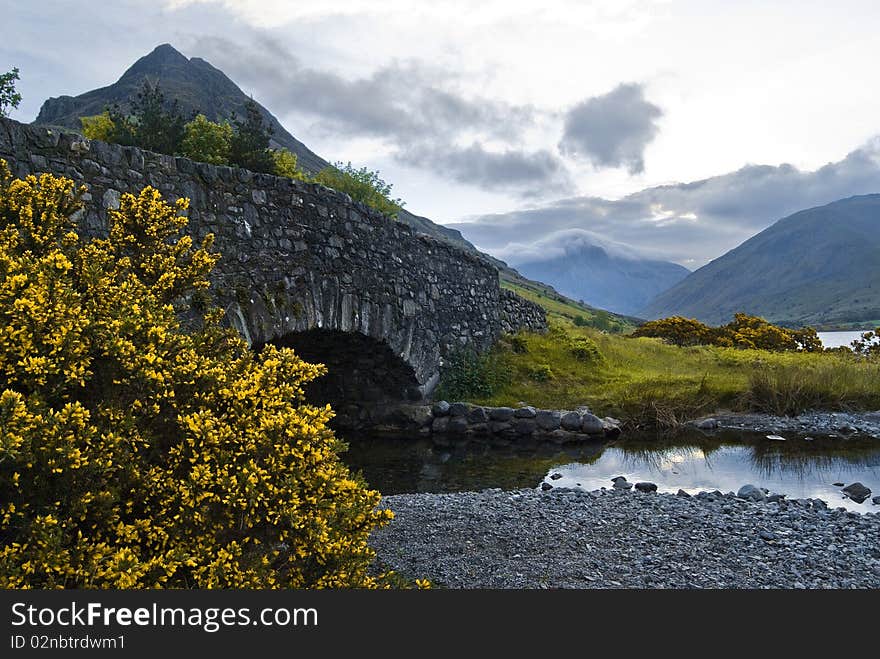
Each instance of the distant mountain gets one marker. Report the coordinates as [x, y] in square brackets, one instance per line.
[817, 267]
[584, 267]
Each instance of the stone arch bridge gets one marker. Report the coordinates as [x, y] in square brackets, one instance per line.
[303, 265]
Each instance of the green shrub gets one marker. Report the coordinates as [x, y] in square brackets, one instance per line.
[98, 127]
[207, 141]
[286, 165]
[516, 343]
[249, 147]
[541, 372]
[153, 123]
[585, 350]
[362, 185]
[467, 374]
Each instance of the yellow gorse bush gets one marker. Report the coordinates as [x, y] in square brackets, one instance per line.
[134, 454]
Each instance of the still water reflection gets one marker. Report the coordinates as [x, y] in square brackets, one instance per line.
[796, 468]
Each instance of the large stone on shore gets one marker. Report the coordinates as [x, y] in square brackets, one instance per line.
[440, 408]
[459, 409]
[857, 492]
[561, 436]
[750, 492]
[458, 425]
[409, 416]
[477, 415]
[527, 412]
[548, 419]
[592, 425]
[571, 421]
[500, 413]
[876, 501]
[524, 426]
[622, 484]
[611, 427]
[501, 427]
[646, 487]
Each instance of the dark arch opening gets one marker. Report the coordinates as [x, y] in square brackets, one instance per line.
[362, 373]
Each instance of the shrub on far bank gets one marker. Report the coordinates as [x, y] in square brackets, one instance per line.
[744, 332]
[867, 345]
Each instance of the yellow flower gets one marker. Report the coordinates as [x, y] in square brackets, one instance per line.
[136, 455]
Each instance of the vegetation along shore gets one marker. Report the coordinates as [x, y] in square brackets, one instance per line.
[663, 381]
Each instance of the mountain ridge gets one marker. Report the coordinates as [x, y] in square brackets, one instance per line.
[588, 271]
[818, 266]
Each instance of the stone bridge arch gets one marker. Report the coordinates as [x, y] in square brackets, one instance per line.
[376, 347]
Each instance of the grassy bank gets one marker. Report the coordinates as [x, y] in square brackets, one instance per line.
[648, 383]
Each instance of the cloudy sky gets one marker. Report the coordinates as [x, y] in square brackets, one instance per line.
[674, 129]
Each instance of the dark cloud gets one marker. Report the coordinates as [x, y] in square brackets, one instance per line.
[532, 173]
[688, 223]
[612, 130]
[412, 107]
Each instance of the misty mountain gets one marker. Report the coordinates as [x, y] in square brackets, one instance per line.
[819, 266]
[602, 274]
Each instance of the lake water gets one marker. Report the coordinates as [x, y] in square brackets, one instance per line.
[796, 468]
[837, 339]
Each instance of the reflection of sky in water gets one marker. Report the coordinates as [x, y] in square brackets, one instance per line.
[836, 339]
[795, 468]
[727, 468]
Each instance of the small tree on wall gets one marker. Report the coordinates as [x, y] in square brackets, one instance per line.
[249, 147]
[9, 97]
[153, 123]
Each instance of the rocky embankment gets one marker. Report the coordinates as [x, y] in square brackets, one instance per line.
[622, 538]
[443, 419]
[820, 424]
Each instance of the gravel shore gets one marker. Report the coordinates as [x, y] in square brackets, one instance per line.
[623, 539]
[820, 424]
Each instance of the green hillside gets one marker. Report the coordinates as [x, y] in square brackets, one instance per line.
[818, 267]
[559, 306]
